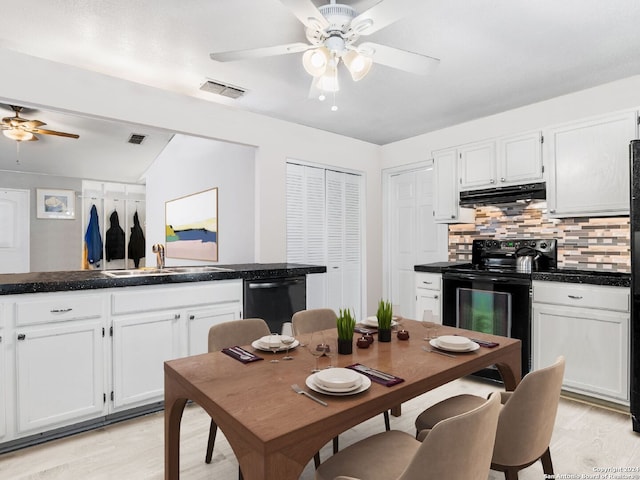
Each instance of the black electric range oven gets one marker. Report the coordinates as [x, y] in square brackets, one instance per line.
[492, 294]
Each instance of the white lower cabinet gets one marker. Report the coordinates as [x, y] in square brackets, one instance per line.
[58, 367]
[59, 374]
[141, 345]
[428, 295]
[154, 324]
[200, 320]
[3, 376]
[589, 325]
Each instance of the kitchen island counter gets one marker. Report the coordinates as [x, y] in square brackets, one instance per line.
[17, 283]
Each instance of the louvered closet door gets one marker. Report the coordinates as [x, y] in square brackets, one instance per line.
[306, 226]
[344, 241]
[305, 215]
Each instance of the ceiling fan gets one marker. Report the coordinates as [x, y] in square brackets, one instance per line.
[332, 31]
[22, 130]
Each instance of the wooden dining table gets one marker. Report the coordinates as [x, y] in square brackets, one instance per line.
[274, 432]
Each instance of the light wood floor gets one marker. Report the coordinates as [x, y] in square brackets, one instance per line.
[585, 437]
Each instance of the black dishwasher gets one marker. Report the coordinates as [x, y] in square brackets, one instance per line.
[275, 299]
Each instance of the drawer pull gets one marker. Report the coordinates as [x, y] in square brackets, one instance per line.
[427, 283]
[575, 297]
[61, 310]
[21, 336]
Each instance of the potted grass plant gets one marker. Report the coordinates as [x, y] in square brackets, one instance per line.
[345, 323]
[384, 315]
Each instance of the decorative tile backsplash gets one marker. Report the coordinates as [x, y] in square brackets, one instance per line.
[585, 243]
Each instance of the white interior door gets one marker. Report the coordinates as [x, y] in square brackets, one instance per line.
[14, 234]
[414, 237]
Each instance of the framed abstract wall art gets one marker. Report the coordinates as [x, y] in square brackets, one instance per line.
[191, 226]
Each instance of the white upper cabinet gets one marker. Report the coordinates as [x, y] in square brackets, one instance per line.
[508, 160]
[589, 166]
[477, 165]
[520, 159]
[446, 208]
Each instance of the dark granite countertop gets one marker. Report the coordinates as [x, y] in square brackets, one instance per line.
[569, 275]
[593, 277]
[17, 283]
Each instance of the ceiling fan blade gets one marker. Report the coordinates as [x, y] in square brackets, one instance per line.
[307, 13]
[53, 132]
[379, 16]
[260, 52]
[32, 124]
[400, 59]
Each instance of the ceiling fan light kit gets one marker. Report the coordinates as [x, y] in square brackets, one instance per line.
[332, 31]
[23, 130]
[19, 135]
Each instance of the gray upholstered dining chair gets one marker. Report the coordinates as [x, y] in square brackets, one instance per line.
[228, 334]
[308, 321]
[526, 421]
[457, 448]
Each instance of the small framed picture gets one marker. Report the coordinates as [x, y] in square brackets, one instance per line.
[59, 204]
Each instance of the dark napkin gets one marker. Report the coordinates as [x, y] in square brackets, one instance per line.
[484, 343]
[235, 353]
[376, 375]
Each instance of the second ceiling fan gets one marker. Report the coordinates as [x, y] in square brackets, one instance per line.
[332, 31]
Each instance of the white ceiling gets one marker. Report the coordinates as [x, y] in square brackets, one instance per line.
[495, 56]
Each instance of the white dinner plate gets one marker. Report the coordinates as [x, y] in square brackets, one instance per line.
[260, 345]
[434, 343]
[373, 322]
[311, 383]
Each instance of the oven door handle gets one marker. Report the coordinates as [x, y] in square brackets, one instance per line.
[485, 278]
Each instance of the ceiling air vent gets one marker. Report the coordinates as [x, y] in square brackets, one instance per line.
[218, 88]
[136, 138]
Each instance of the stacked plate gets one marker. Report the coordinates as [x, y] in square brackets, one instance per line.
[454, 343]
[338, 381]
[263, 343]
[373, 321]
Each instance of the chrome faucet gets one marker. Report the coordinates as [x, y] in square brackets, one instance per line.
[158, 249]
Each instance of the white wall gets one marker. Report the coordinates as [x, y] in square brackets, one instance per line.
[620, 95]
[192, 164]
[52, 85]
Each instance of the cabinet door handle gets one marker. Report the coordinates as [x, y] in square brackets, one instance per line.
[575, 297]
[192, 317]
[552, 210]
[492, 181]
[21, 336]
[61, 310]
[176, 316]
[435, 297]
[502, 179]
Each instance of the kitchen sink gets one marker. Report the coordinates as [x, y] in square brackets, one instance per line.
[197, 269]
[146, 272]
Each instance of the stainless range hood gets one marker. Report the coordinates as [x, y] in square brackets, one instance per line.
[503, 195]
